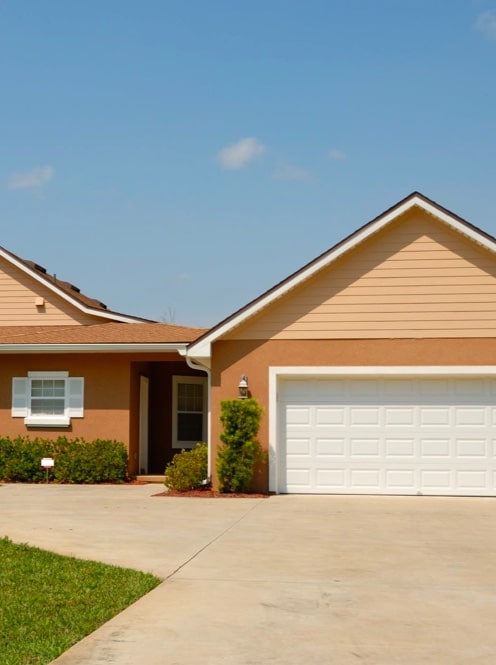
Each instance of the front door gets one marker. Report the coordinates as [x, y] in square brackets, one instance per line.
[143, 424]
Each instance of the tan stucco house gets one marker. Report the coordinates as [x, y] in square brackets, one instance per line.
[375, 364]
[71, 366]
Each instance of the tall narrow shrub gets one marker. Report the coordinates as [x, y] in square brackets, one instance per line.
[240, 450]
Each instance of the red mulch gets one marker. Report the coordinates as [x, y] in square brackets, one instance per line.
[211, 494]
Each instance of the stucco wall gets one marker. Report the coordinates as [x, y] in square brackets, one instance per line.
[106, 395]
[231, 359]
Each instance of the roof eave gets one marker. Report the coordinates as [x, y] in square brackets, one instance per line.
[153, 347]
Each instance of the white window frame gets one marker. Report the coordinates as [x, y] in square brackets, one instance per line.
[22, 399]
[176, 380]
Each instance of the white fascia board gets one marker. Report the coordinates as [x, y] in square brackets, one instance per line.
[122, 318]
[92, 348]
[456, 224]
[200, 353]
[381, 370]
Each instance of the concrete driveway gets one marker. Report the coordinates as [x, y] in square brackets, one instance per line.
[286, 580]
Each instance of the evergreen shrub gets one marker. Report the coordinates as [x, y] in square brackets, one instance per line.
[240, 450]
[188, 469]
[76, 460]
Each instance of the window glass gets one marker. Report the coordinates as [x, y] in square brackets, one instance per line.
[189, 405]
[190, 397]
[190, 426]
[47, 396]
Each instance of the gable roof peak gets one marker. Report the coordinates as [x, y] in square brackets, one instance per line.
[66, 290]
[201, 348]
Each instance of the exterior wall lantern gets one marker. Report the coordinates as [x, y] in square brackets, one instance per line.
[243, 387]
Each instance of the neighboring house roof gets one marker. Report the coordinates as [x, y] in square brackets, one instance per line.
[99, 337]
[200, 349]
[66, 290]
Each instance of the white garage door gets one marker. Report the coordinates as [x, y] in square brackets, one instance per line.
[387, 436]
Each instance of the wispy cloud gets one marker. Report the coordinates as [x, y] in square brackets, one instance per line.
[182, 278]
[289, 172]
[31, 179]
[238, 155]
[336, 154]
[486, 23]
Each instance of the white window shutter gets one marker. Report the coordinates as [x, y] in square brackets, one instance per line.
[75, 396]
[20, 387]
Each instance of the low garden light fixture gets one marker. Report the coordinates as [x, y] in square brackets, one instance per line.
[243, 387]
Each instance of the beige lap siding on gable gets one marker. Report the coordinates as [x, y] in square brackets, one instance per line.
[415, 279]
[18, 294]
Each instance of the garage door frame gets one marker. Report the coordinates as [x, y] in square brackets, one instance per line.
[279, 373]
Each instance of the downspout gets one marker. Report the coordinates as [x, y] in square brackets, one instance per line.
[198, 366]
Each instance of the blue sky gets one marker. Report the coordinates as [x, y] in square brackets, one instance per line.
[176, 159]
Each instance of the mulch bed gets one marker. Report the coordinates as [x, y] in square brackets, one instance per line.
[211, 494]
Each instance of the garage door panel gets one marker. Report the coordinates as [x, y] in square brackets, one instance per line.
[299, 478]
[330, 447]
[299, 447]
[472, 448]
[329, 416]
[472, 416]
[365, 447]
[437, 388]
[330, 479]
[399, 448]
[436, 479]
[435, 416]
[397, 416]
[472, 479]
[401, 480]
[299, 415]
[368, 417]
[435, 448]
[388, 436]
[366, 479]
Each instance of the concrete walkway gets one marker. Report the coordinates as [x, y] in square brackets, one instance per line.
[289, 580]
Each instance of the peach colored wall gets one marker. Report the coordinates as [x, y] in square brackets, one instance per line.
[231, 359]
[416, 278]
[106, 395]
[17, 302]
[111, 398]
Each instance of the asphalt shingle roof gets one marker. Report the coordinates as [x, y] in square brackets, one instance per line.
[101, 333]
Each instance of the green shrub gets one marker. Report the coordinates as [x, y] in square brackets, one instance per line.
[21, 459]
[188, 469]
[240, 450]
[76, 460]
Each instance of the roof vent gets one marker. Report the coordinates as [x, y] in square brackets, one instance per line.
[36, 266]
[74, 288]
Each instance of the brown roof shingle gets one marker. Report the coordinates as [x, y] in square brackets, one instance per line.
[101, 333]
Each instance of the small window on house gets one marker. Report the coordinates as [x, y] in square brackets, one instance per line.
[47, 399]
[189, 411]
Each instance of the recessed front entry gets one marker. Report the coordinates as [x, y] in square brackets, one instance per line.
[379, 435]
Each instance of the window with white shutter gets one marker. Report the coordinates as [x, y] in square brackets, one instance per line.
[48, 399]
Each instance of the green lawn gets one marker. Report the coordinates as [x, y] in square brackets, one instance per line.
[48, 602]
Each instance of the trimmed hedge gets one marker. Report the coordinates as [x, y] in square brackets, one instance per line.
[76, 460]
